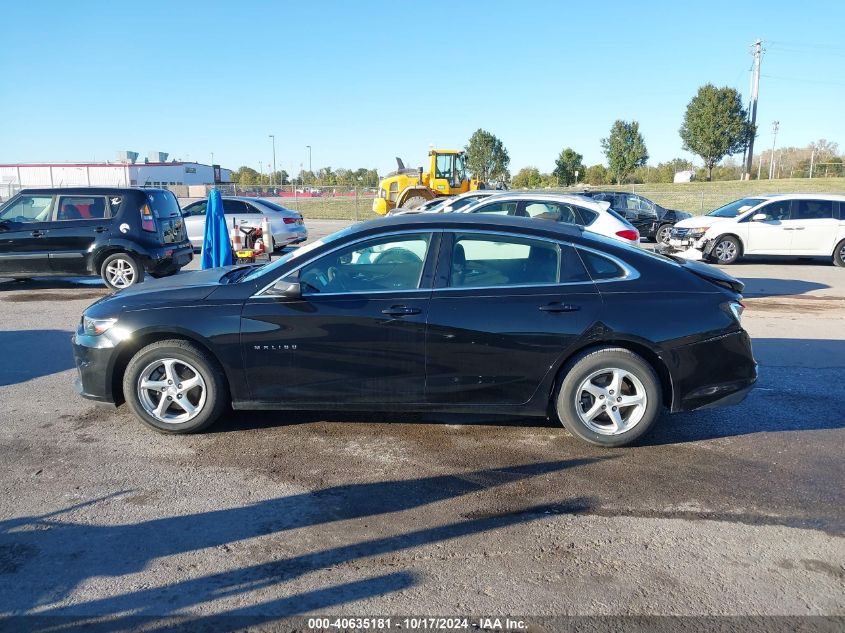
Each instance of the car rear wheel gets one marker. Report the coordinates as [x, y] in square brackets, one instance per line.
[663, 233]
[727, 250]
[175, 387]
[121, 270]
[608, 397]
[839, 254]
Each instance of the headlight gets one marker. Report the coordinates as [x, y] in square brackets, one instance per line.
[696, 233]
[96, 327]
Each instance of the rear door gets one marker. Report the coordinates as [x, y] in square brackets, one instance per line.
[814, 227]
[24, 226]
[503, 311]
[78, 222]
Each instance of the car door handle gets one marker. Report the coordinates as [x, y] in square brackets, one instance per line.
[789, 228]
[559, 307]
[101, 229]
[799, 228]
[37, 233]
[400, 311]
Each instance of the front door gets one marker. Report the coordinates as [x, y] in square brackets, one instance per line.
[772, 236]
[24, 227]
[357, 333]
[814, 227]
[79, 221]
[503, 311]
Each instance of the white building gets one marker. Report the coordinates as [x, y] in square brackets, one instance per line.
[122, 174]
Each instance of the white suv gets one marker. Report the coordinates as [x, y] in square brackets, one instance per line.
[594, 215]
[803, 225]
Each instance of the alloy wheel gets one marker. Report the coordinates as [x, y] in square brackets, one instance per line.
[725, 251]
[120, 273]
[171, 391]
[611, 401]
[663, 234]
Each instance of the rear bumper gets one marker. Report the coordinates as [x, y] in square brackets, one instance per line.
[168, 258]
[712, 373]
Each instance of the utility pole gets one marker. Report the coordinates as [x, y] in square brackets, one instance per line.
[755, 92]
[308, 147]
[812, 162]
[273, 176]
[775, 126]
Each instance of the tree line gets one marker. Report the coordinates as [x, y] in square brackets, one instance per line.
[323, 177]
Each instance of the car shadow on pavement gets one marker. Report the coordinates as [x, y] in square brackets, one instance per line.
[762, 287]
[29, 354]
[44, 559]
[53, 283]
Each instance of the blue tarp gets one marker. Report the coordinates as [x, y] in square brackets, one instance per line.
[216, 247]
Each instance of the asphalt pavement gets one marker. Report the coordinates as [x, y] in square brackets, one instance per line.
[733, 511]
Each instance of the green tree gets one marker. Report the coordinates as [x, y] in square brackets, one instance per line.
[527, 178]
[566, 165]
[625, 149]
[715, 125]
[596, 175]
[245, 176]
[486, 157]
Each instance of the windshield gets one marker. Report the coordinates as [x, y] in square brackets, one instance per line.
[296, 254]
[735, 208]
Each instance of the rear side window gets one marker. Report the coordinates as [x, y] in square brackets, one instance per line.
[28, 209]
[814, 209]
[163, 204]
[485, 261]
[234, 207]
[82, 208]
[498, 208]
[601, 267]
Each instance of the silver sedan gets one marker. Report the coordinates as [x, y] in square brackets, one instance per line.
[287, 226]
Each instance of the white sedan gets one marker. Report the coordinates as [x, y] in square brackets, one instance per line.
[287, 225]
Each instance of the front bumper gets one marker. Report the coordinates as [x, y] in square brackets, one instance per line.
[94, 357]
[717, 372]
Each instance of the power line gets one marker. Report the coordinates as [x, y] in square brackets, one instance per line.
[806, 81]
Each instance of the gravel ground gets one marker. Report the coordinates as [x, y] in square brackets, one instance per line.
[729, 511]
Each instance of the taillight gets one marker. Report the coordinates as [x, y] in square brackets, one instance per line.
[629, 234]
[737, 308]
[147, 221]
[289, 220]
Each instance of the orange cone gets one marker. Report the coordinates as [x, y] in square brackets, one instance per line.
[235, 236]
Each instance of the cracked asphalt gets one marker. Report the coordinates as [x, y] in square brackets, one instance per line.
[735, 511]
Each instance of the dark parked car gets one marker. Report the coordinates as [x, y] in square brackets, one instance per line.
[652, 221]
[446, 312]
[117, 233]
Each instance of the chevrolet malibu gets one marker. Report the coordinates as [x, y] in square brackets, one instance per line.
[465, 313]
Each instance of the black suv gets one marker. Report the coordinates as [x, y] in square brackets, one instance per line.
[651, 220]
[117, 233]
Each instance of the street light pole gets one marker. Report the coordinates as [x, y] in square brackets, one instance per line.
[309, 160]
[273, 177]
[775, 125]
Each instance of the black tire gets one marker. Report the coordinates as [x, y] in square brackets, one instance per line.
[727, 250]
[593, 363]
[109, 271]
[661, 235]
[186, 354]
[839, 254]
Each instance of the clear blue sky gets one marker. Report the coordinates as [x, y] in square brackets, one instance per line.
[362, 82]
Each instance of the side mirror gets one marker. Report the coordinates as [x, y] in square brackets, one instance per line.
[186, 214]
[286, 289]
[760, 217]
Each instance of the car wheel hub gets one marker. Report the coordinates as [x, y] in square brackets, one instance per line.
[725, 251]
[171, 391]
[611, 401]
[120, 273]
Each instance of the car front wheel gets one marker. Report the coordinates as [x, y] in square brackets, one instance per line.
[726, 250]
[175, 387]
[663, 233]
[609, 397]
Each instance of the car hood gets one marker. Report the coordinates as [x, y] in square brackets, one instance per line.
[699, 221]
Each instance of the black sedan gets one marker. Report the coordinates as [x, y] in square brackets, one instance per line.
[454, 312]
[651, 220]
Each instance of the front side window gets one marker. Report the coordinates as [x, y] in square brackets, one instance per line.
[82, 208]
[443, 166]
[814, 209]
[482, 261]
[28, 209]
[498, 208]
[390, 263]
[777, 211]
[198, 208]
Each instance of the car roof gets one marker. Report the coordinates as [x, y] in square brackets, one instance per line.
[470, 221]
[549, 196]
[799, 196]
[91, 191]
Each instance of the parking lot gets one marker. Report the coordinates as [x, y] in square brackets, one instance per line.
[721, 511]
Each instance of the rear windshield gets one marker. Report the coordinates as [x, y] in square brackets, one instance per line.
[620, 218]
[275, 207]
[733, 209]
[163, 203]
